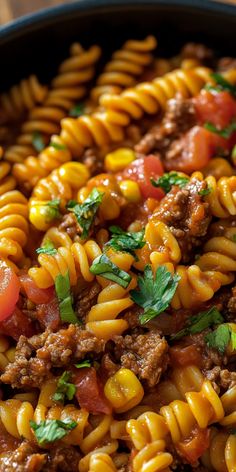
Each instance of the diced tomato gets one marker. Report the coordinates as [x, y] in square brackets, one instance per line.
[89, 391]
[218, 108]
[48, 314]
[17, 324]
[142, 170]
[35, 294]
[194, 447]
[9, 290]
[185, 355]
[198, 145]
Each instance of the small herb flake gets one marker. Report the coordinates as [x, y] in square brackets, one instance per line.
[220, 338]
[65, 389]
[37, 141]
[77, 110]
[104, 267]
[204, 191]
[52, 430]
[86, 212]
[52, 210]
[85, 363]
[167, 180]
[197, 323]
[155, 293]
[225, 132]
[223, 84]
[123, 241]
[62, 286]
[57, 146]
[47, 248]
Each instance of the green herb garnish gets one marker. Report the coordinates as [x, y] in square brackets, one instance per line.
[37, 141]
[62, 286]
[197, 323]
[225, 132]
[86, 212]
[65, 389]
[204, 191]
[77, 110]
[167, 180]
[155, 293]
[105, 268]
[52, 430]
[220, 338]
[125, 242]
[52, 210]
[85, 363]
[221, 84]
[58, 146]
[47, 248]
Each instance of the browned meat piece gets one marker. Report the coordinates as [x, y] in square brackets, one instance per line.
[221, 379]
[179, 117]
[226, 63]
[196, 51]
[70, 225]
[187, 215]
[86, 299]
[36, 356]
[23, 459]
[93, 161]
[132, 316]
[210, 357]
[231, 307]
[27, 458]
[145, 354]
[108, 367]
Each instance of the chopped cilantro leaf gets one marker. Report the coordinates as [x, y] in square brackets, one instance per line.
[199, 322]
[155, 293]
[47, 248]
[77, 110]
[104, 267]
[125, 242]
[223, 84]
[86, 212]
[220, 338]
[37, 141]
[65, 389]
[62, 286]
[52, 430]
[204, 191]
[52, 210]
[167, 180]
[58, 146]
[225, 132]
[85, 363]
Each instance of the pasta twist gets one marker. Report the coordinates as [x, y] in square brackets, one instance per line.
[219, 253]
[22, 97]
[182, 380]
[195, 285]
[151, 97]
[76, 260]
[67, 87]
[101, 462]
[7, 181]
[14, 227]
[15, 416]
[109, 448]
[221, 455]
[152, 457]
[112, 300]
[7, 353]
[222, 196]
[125, 67]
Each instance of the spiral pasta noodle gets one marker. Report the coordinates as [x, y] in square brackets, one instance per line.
[125, 67]
[221, 455]
[22, 97]
[67, 87]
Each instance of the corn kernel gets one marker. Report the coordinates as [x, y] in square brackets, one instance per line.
[118, 160]
[39, 217]
[74, 173]
[123, 390]
[109, 208]
[130, 190]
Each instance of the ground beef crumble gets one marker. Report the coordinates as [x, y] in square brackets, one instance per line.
[221, 379]
[186, 214]
[28, 458]
[36, 356]
[145, 354]
[86, 299]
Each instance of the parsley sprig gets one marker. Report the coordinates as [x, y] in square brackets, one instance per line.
[77, 110]
[86, 212]
[47, 248]
[37, 141]
[62, 286]
[167, 180]
[197, 323]
[221, 84]
[225, 132]
[52, 430]
[82, 364]
[155, 293]
[65, 389]
[125, 242]
[220, 338]
[104, 267]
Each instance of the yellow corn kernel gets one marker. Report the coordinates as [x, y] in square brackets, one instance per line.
[118, 160]
[75, 174]
[41, 214]
[123, 390]
[109, 208]
[130, 190]
[83, 193]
